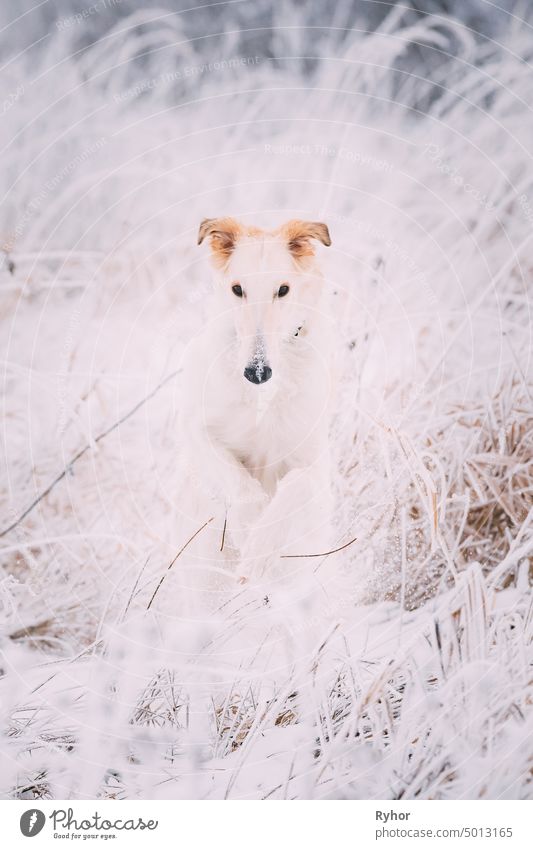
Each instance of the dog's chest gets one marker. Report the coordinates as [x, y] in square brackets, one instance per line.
[257, 419]
[263, 426]
[273, 427]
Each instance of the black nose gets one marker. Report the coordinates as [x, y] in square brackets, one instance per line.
[258, 373]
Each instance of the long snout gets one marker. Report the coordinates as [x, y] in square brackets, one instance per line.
[258, 369]
[258, 373]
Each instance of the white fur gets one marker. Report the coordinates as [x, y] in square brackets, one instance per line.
[256, 457]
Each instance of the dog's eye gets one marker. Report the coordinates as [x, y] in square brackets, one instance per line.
[283, 290]
[237, 290]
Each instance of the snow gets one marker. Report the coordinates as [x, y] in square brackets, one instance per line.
[401, 668]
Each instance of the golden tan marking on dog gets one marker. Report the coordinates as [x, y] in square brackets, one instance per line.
[225, 232]
[299, 233]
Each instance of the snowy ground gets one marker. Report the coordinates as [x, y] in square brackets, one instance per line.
[121, 129]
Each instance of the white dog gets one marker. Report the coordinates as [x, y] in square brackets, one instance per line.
[255, 414]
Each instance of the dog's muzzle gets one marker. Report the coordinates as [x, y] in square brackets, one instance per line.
[258, 373]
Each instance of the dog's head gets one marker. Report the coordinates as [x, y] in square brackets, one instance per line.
[269, 283]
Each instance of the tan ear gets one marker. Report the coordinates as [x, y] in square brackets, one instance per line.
[224, 233]
[298, 234]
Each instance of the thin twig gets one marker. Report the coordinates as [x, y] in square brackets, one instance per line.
[323, 553]
[169, 567]
[134, 590]
[82, 451]
[224, 532]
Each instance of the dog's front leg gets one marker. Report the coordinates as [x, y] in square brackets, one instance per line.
[296, 521]
[223, 477]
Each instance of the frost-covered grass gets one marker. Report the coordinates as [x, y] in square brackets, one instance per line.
[401, 666]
